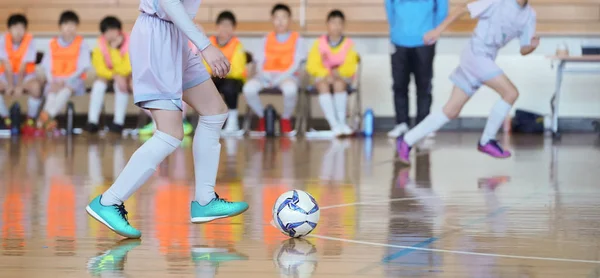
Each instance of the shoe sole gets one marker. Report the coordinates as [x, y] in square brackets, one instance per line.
[99, 219]
[200, 220]
[498, 157]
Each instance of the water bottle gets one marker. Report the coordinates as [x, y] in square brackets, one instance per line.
[70, 117]
[368, 123]
[270, 119]
[15, 119]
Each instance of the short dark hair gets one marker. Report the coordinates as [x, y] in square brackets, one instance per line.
[226, 15]
[15, 19]
[110, 22]
[281, 7]
[68, 16]
[336, 14]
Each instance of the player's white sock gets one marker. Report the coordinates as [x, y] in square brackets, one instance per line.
[341, 101]
[251, 90]
[232, 120]
[207, 149]
[96, 101]
[494, 121]
[33, 106]
[431, 123]
[290, 98]
[3, 108]
[62, 97]
[50, 102]
[140, 167]
[121, 101]
[326, 101]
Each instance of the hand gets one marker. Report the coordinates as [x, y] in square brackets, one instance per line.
[431, 37]
[216, 60]
[121, 83]
[18, 91]
[117, 42]
[535, 41]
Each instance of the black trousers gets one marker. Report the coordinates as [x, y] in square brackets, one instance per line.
[419, 62]
[230, 89]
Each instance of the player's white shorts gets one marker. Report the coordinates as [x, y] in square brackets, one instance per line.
[473, 70]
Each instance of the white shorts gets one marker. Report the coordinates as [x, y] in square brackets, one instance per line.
[163, 66]
[162, 104]
[26, 78]
[473, 71]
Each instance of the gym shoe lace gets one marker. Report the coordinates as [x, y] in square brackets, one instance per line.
[122, 212]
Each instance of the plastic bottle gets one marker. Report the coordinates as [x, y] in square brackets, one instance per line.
[368, 120]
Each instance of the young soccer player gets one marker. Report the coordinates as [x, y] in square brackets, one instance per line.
[277, 66]
[500, 21]
[333, 62]
[166, 73]
[17, 71]
[66, 63]
[111, 62]
[233, 49]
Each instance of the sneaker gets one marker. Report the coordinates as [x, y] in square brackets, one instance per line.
[147, 129]
[216, 209]
[28, 128]
[403, 150]
[231, 125]
[114, 217]
[346, 130]
[493, 149]
[112, 260]
[115, 128]
[286, 127]
[188, 128]
[91, 128]
[261, 125]
[337, 131]
[5, 122]
[398, 130]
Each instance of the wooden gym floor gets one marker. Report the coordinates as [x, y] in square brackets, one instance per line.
[455, 213]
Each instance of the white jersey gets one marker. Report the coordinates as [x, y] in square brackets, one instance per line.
[152, 7]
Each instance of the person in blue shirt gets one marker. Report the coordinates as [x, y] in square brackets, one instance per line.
[409, 20]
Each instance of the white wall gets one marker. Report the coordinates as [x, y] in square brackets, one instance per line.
[533, 75]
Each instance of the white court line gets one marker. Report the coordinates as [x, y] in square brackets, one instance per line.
[455, 251]
[380, 202]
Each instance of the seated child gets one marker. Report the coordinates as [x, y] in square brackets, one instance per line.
[277, 67]
[499, 22]
[66, 63]
[232, 48]
[332, 62]
[111, 62]
[17, 71]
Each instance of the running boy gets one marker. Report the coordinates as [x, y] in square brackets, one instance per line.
[65, 63]
[17, 70]
[277, 65]
[166, 73]
[332, 61]
[500, 21]
[232, 48]
[111, 62]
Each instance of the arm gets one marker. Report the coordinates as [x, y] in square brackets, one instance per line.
[350, 65]
[529, 41]
[176, 12]
[47, 65]
[238, 64]
[389, 10]
[454, 16]
[83, 63]
[259, 58]
[441, 11]
[299, 56]
[314, 63]
[27, 60]
[100, 67]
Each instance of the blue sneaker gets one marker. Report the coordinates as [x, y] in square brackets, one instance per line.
[112, 260]
[114, 217]
[217, 208]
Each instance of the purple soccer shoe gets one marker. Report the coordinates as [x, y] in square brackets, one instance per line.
[493, 149]
[403, 150]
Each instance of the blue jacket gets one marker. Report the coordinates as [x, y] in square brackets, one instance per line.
[409, 20]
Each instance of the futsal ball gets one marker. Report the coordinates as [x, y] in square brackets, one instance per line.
[296, 213]
[296, 257]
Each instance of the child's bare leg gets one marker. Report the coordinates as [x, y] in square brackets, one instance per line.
[340, 99]
[206, 100]
[34, 89]
[509, 94]
[436, 120]
[323, 86]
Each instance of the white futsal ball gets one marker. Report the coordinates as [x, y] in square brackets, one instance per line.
[296, 213]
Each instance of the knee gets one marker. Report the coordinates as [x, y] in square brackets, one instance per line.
[451, 112]
[511, 96]
[174, 131]
[339, 85]
[251, 88]
[322, 87]
[289, 88]
[35, 90]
